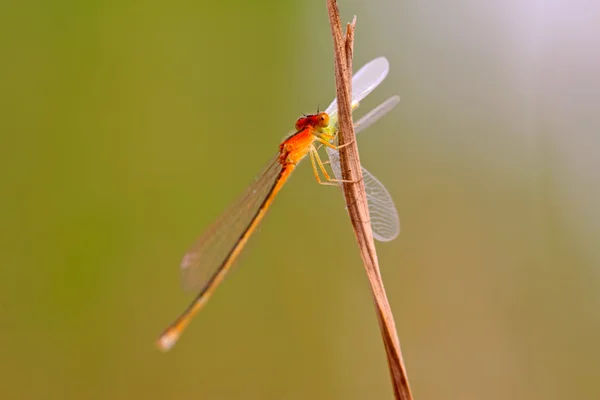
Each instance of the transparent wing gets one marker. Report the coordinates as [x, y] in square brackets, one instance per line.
[210, 250]
[375, 114]
[363, 82]
[384, 216]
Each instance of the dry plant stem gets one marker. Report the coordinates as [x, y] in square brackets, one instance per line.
[356, 200]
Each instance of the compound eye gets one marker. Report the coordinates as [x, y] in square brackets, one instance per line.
[323, 119]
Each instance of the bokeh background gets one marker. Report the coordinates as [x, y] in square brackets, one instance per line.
[127, 127]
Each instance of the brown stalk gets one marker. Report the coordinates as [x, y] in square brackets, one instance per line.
[356, 199]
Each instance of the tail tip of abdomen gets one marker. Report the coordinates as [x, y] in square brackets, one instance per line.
[167, 340]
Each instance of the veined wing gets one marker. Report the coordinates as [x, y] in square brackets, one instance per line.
[205, 257]
[363, 82]
[375, 114]
[384, 216]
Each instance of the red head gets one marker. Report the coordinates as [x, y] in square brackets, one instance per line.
[316, 121]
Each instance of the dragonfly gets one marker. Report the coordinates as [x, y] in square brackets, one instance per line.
[207, 262]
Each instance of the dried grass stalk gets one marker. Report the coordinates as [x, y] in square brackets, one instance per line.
[356, 199]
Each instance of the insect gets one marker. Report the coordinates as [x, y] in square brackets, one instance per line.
[205, 265]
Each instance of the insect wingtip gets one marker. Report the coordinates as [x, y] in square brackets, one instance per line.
[187, 260]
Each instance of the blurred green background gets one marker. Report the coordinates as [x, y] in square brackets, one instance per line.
[127, 127]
